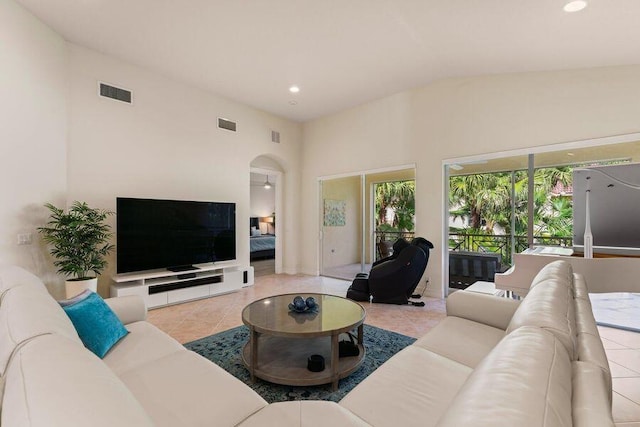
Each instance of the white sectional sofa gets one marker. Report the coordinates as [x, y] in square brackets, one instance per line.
[491, 362]
[499, 362]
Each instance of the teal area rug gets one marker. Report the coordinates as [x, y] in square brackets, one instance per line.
[225, 349]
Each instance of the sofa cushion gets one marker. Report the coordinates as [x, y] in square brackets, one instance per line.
[26, 312]
[585, 321]
[557, 270]
[144, 344]
[128, 308]
[549, 305]
[590, 349]
[591, 401]
[482, 308]
[97, 325]
[185, 389]
[462, 340]
[414, 387]
[307, 413]
[525, 381]
[580, 287]
[69, 386]
[12, 276]
[589, 344]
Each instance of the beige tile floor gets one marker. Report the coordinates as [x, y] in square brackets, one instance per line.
[264, 267]
[190, 321]
[623, 352]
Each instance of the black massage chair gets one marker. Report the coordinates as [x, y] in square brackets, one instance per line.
[392, 280]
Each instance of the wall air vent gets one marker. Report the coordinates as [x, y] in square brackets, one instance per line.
[226, 124]
[275, 137]
[116, 93]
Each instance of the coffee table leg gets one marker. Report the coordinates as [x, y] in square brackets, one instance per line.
[335, 361]
[254, 353]
[361, 334]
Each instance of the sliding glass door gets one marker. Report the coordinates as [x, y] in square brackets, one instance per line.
[361, 214]
[506, 205]
[342, 227]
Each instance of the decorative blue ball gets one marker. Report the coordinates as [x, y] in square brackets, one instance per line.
[311, 303]
[299, 303]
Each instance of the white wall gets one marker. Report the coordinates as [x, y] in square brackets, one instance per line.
[374, 135]
[459, 117]
[341, 245]
[33, 113]
[167, 145]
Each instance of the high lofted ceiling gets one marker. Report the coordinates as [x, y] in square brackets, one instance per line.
[342, 53]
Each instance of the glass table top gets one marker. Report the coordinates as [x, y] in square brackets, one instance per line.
[272, 315]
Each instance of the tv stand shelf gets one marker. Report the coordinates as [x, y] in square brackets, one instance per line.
[164, 287]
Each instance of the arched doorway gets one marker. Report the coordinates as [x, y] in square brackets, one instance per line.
[265, 216]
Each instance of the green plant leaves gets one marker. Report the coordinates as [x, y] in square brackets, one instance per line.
[79, 239]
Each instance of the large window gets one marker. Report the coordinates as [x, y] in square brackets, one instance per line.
[493, 208]
[488, 212]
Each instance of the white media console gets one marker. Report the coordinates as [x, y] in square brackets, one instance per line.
[163, 287]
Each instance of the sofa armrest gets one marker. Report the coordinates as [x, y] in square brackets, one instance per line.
[482, 308]
[129, 309]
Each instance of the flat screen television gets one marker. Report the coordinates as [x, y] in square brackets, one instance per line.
[173, 234]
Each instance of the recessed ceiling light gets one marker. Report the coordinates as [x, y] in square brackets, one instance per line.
[575, 6]
[294, 89]
[292, 102]
[570, 154]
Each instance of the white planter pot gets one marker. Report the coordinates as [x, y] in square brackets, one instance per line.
[75, 287]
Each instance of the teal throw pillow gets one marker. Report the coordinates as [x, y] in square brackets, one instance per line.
[97, 325]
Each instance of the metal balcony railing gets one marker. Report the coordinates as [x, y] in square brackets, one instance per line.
[501, 243]
[471, 242]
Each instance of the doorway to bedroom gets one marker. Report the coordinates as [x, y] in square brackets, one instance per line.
[262, 223]
[266, 200]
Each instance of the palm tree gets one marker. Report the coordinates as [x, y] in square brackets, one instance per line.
[549, 177]
[400, 197]
[558, 219]
[486, 199]
[496, 206]
[468, 191]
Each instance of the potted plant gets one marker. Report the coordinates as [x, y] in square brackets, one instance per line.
[79, 241]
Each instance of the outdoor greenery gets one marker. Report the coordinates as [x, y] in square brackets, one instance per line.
[79, 239]
[398, 197]
[486, 200]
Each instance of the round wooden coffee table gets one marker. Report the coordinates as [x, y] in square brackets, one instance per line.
[281, 341]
